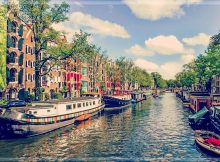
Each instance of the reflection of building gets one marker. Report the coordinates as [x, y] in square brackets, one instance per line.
[216, 90]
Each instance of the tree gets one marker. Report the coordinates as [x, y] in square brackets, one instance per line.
[41, 15]
[3, 40]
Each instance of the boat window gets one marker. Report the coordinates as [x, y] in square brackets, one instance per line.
[35, 112]
[79, 105]
[83, 104]
[48, 110]
[90, 103]
[74, 106]
[87, 104]
[68, 107]
[93, 102]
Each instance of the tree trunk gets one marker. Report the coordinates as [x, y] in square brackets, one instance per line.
[37, 77]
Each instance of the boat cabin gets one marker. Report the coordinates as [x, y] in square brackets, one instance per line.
[138, 96]
[198, 100]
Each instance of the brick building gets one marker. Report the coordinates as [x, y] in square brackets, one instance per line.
[19, 58]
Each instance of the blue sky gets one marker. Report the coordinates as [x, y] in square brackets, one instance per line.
[159, 35]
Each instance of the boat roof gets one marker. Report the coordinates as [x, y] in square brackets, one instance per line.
[65, 100]
[199, 94]
[217, 107]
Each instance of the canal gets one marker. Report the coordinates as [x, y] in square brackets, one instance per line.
[156, 129]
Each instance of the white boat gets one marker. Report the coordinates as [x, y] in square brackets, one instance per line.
[43, 117]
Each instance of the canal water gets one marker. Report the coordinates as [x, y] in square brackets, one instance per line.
[156, 129]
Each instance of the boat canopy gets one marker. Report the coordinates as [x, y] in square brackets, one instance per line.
[194, 118]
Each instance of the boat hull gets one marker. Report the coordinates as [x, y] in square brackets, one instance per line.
[116, 108]
[16, 128]
[112, 102]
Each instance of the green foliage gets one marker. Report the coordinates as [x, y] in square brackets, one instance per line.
[42, 15]
[159, 82]
[3, 102]
[3, 41]
[204, 68]
[57, 95]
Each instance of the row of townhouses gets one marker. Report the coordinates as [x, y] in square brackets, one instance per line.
[73, 78]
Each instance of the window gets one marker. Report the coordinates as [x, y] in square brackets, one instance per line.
[90, 103]
[13, 42]
[29, 63]
[93, 102]
[87, 104]
[35, 112]
[11, 57]
[48, 110]
[29, 77]
[79, 105]
[26, 49]
[68, 107]
[13, 75]
[83, 104]
[74, 106]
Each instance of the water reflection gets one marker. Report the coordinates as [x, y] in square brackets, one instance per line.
[156, 129]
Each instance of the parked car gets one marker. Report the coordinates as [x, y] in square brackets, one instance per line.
[15, 103]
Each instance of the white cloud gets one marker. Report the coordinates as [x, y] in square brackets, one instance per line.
[98, 26]
[166, 45]
[157, 9]
[68, 31]
[163, 45]
[168, 70]
[200, 39]
[77, 3]
[93, 25]
[139, 51]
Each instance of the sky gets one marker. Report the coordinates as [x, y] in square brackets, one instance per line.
[158, 35]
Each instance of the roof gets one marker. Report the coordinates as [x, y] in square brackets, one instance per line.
[65, 100]
[199, 94]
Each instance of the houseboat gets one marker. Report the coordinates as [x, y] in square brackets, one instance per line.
[43, 117]
[120, 99]
[138, 97]
[215, 118]
[199, 100]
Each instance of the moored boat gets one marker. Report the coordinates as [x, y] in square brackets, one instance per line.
[215, 118]
[119, 101]
[43, 117]
[209, 141]
[137, 97]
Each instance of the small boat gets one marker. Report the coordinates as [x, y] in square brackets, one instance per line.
[209, 141]
[83, 117]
